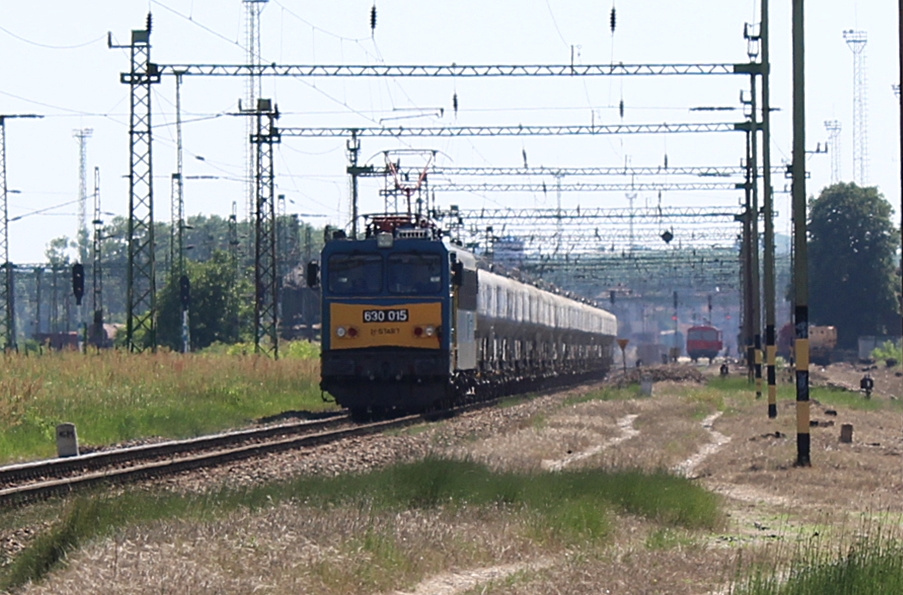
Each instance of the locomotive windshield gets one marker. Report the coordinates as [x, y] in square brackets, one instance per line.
[413, 273]
[705, 334]
[355, 274]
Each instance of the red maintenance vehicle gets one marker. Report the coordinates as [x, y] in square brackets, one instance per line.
[704, 341]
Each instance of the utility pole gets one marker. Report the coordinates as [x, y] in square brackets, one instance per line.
[801, 262]
[353, 146]
[177, 201]
[756, 319]
[769, 256]
[177, 228]
[98, 337]
[38, 273]
[234, 261]
[7, 288]
[747, 266]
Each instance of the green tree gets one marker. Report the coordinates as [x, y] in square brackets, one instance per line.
[853, 276]
[57, 251]
[218, 307]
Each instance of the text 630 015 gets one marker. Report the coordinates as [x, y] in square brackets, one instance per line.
[399, 315]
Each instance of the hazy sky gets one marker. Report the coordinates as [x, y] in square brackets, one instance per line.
[54, 61]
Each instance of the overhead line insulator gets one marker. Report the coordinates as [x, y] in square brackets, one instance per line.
[613, 19]
[373, 19]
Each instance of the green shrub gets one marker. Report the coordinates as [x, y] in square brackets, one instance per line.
[888, 351]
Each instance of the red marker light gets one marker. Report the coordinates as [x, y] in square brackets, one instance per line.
[418, 331]
[352, 332]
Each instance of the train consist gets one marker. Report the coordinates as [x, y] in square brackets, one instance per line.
[413, 323]
[704, 341]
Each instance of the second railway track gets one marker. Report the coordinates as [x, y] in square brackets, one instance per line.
[23, 483]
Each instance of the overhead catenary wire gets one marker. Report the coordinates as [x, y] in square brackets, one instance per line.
[53, 47]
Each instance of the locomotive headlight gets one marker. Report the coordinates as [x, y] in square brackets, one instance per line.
[340, 332]
[430, 331]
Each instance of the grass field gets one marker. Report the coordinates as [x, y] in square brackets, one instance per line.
[549, 511]
[115, 397]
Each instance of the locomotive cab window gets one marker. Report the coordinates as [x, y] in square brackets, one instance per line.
[410, 274]
[355, 274]
[706, 335]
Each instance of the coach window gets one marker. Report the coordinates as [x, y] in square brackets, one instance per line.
[413, 273]
[355, 274]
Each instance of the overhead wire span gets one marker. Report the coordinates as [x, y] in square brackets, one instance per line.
[313, 26]
[199, 24]
[44, 210]
[64, 109]
[52, 47]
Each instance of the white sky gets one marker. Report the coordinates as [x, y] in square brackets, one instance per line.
[54, 61]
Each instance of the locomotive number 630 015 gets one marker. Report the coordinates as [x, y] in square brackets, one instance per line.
[397, 315]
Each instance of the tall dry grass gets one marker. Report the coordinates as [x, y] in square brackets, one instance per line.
[115, 396]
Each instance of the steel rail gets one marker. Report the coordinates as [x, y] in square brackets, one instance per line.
[175, 464]
[104, 460]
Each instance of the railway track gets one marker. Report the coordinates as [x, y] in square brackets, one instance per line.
[34, 481]
[28, 482]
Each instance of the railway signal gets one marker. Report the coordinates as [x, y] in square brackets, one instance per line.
[78, 282]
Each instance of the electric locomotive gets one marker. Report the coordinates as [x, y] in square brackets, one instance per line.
[704, 341]
[411, 322]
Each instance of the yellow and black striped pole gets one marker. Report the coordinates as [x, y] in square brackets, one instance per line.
[770, 356]
[800, 273]
[758, 348]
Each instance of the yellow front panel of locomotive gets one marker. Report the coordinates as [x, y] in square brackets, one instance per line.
[354, 326]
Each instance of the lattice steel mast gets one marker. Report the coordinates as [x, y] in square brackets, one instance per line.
[856, 41]
[141, 307]
[82, 135]
[253, 90]
[266, 339]
[834, 127]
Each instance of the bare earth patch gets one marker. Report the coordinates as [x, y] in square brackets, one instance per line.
[730, 447]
